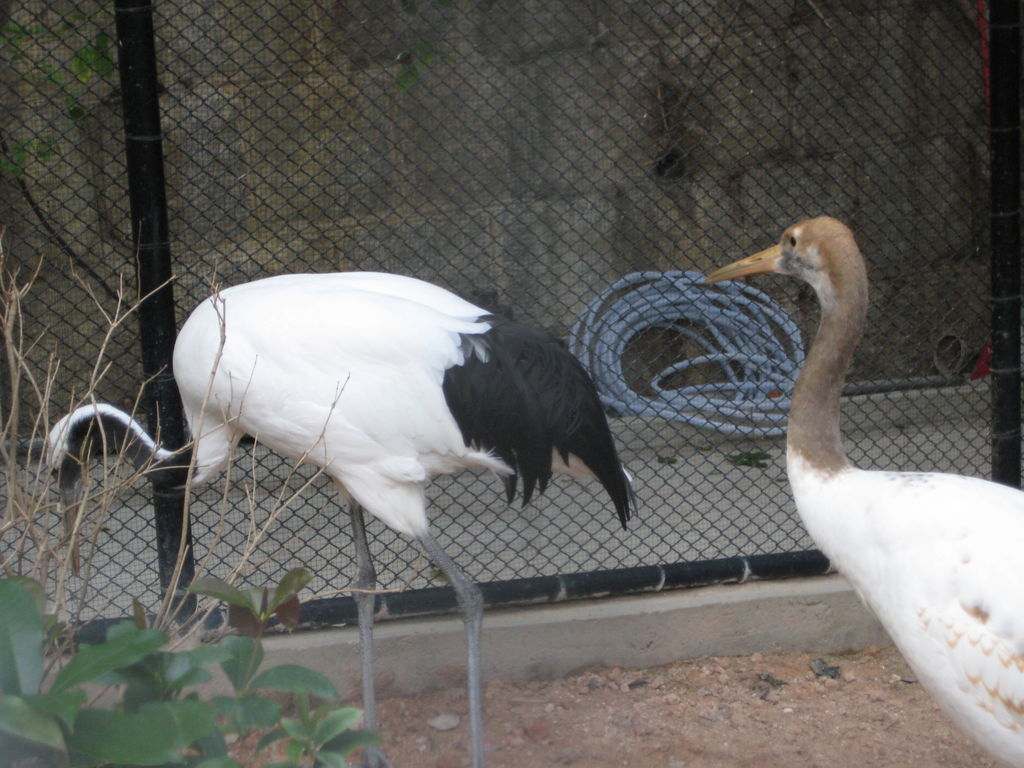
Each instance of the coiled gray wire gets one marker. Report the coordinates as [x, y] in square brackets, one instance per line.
[746, 336]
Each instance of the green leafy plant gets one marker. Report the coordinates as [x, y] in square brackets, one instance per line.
[757, 459]
[412, 62]
[92, 58]
[251, 610]
[320, 735]
[88, 57]
[18, 155]
[323, 735]
[157, 718]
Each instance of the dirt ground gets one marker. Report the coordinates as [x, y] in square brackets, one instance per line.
[720, 712]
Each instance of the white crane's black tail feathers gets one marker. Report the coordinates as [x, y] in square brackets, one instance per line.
[94, 430]
[530, 398]
[511, 483]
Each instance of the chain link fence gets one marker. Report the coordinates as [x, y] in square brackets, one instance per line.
[529, 156]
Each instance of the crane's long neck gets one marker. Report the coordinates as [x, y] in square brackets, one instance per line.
[102, 429]
[814, 432]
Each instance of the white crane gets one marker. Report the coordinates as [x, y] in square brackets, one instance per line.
[384, 381]
[935, 556]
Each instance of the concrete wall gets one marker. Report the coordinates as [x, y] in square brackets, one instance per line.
[817, 615]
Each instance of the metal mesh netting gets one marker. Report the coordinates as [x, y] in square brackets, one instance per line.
[527, 156]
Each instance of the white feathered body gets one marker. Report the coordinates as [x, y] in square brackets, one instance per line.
[938, 559]
[358, 390]
[384, 381]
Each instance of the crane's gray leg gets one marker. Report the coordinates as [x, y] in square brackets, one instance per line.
[366, 579]
[472, 603]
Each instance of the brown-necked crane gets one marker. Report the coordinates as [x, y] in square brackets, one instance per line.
[935, 556]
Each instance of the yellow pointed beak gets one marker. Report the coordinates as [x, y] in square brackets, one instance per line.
[763, 261]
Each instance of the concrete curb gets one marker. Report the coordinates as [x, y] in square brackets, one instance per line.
[818, 614]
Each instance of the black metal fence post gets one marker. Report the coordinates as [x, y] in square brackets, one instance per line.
[146, 188]
[1004, 147]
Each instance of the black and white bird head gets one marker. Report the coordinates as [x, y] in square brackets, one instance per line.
[90, 431]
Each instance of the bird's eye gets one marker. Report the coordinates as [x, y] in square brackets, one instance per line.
[792, 241]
